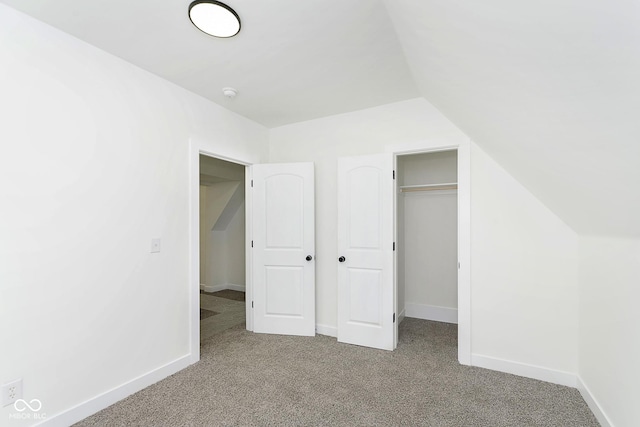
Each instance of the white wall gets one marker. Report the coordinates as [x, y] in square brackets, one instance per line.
[428, 168]
[203, 234]
[610, 326]
[236, 249]
[226, 254]
[93, 164]
[216, 262]
[215, 244]
[322, 141]
[524, 259]
[524, 269]
[430, 249]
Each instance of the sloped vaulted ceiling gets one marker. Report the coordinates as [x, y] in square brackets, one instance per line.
[551, 89]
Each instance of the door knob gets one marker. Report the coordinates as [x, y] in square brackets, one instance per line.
[309, 258]
[342, 259]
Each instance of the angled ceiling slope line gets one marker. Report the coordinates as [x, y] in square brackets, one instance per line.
[230, 209]
[551, 96]
[217, 198]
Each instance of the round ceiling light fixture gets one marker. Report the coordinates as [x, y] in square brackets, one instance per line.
[214, 18]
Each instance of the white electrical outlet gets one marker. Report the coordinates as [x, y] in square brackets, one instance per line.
[11, 392]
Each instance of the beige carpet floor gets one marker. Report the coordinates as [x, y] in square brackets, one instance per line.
[228, 294]
[247, 379]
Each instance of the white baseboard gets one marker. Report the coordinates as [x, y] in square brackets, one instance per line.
[223, 287]
[330, 331]
[401, 316]
[431, 312]
[209, 288]
[593, 404]
[108, 398]
[524, 370]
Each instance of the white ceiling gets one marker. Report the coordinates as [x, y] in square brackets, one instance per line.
[550, 88]
[292, 61]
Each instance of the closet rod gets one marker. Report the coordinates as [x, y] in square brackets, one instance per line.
[429, 187]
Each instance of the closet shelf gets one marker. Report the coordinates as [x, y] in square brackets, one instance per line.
[429, 187]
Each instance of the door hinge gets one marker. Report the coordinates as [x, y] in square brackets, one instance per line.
[394, 246]
[252, 183]
[394, 174]
[251, 304]
[252, 243]
[394, 318]
[458, 266]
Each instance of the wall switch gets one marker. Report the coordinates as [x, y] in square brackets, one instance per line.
[11, 392]
[155, 245]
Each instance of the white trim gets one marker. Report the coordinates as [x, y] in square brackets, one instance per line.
[593, 404]
[330, 331]
[214, 288]
[108, 398]
[239, 288]
[449, 142]
[248, 232]
[464, 252]
[524, 370]
[194, 250]
[396, 241]
[463, 146]
[431, 312]
[223, 287]
[401, 316]
[208, 288]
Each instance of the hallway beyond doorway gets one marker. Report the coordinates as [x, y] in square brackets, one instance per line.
[229, 309]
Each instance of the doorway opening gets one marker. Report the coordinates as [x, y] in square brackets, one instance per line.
[427, 260]
[222, 245]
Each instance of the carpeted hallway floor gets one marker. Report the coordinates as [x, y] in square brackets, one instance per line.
[247, 379]
[220, 311]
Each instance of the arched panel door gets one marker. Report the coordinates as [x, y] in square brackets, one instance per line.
[283, 253]
[365, 251]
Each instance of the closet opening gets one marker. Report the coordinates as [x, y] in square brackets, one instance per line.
[222, 245]
[427, 239]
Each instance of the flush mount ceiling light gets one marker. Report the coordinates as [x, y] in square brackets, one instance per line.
[214, 18]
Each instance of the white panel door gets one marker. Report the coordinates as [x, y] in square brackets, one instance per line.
[366, 294]
[283, 264]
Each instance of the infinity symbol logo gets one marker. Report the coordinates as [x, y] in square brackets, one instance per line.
[22, 405]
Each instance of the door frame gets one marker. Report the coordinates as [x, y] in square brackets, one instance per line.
[463, 147]
[198, 146]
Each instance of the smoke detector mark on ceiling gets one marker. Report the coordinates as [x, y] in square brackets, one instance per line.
[229, 92]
